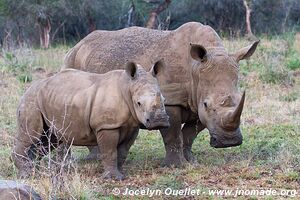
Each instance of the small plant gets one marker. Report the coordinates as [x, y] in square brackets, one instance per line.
[292, 176]
[293, 63]
[292, 55]
[293, 96]
[19, 68]
[25, 78]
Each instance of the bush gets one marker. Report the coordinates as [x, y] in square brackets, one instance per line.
[25, 78]
[20, 68]
[293, 63]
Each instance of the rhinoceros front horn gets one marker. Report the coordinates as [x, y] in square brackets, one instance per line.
[236, 114]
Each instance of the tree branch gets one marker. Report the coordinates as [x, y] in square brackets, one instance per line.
[155, 12]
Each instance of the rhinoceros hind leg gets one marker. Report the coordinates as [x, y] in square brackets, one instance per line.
[108, 142]
[172, 138]
[30, 131]
[22, 160]
[31, 147]
[47, 140]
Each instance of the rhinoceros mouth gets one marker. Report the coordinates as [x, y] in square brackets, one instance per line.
[156, 124]
[225, 142]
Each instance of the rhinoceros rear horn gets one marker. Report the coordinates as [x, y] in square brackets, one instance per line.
[131, 69]
[198, 52]
[236, 114]
[158, 67]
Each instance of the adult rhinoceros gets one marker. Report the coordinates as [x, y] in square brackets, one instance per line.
[200, 79]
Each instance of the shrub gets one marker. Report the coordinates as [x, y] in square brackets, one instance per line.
[293, 63]
[25, 77]
[20, 68]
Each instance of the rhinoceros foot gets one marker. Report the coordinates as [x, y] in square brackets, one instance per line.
[174, 159]
[189, 156]
[113, 175]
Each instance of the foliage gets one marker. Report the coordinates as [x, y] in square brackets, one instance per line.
[19, 68]
[71, 20]
[274, 60]
[293, 61]
[293, 96]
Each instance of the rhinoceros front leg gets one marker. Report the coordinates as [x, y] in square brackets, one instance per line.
[108, 143]
[189, 133]
[124, 147]
[173, 138]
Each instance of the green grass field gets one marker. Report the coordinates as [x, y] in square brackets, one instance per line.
[268, 158]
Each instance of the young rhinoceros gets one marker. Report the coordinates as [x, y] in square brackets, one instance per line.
[80, 108]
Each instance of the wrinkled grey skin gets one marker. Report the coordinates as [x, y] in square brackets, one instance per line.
[199, 83]
[86, 109]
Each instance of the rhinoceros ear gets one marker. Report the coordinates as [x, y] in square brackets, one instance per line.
[246, 52]
[158, 67]
[198, 52]
[131, 70]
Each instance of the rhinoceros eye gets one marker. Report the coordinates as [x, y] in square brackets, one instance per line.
[139, 103]
[205, 104]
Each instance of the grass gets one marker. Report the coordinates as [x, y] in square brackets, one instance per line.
[274, 60]
[293, 62]
[268, 158]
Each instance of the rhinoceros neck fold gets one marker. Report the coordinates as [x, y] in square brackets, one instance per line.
[124, 85]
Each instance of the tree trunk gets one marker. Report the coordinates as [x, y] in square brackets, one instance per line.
[248, 22]
[20, 39]
[44, 30]
[130, 15]
[287, 7]
[91, 22]
[7, 39]
[47, 30]
[152, 21]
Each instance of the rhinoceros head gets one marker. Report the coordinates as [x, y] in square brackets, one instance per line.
[215, 94]
[147, 100]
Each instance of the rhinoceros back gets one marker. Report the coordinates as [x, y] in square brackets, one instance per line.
[103, 51]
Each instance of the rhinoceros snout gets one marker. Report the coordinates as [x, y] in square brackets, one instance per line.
[223, 142]
[158, 121]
